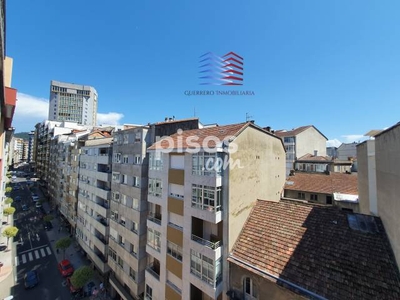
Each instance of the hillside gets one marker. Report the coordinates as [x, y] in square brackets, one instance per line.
[22, 135]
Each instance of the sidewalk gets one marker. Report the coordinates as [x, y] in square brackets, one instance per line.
[6, 256]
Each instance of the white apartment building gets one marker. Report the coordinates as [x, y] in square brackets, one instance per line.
[197, 208]
[94, 196]
[73, 103]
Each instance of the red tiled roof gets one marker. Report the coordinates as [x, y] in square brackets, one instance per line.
[313, 247]
[220, 133]
[293, 132]
[323, 183]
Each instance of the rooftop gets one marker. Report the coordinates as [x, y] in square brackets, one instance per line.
[315, 248]
[323, 183]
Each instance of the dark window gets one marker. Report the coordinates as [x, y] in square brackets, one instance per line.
[328, 199]
[301, 196]
[314, 197]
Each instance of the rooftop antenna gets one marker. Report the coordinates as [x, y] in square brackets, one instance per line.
[194, 111]
[248, 117]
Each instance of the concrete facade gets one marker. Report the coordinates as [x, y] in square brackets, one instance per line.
[387, 153]
[73, 103]
[346, 151]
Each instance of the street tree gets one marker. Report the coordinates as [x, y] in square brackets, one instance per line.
[9, 211]
[48, 218]
[10, 232]
[81, 276]
[9, 201]
[63, 244]
[8, 189]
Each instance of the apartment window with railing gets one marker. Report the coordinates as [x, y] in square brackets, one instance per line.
[155, 187]
[112, 254]
[206, 197]
[155, 161]
[174, 250]
[116, 176]
[154, 239]
[205, 268]
[207, 164]
[117, 158]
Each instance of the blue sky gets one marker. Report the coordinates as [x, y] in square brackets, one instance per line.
[333, 64]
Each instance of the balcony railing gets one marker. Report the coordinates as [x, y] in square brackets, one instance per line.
[204, 242]
[174, 287]
[206, 207]
[153, 271]
[156, 218]
[102, 239]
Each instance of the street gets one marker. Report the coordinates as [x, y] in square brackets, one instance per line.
[33, 250]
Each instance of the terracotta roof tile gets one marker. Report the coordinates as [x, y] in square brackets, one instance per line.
[314, 247]
[310, 157]
[323, 183]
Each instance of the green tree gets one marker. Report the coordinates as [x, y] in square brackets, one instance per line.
[9, 201]
[9, 211]
[10, 232]
[48, 218]
[8, 189]
[81, 276]
[63, 244]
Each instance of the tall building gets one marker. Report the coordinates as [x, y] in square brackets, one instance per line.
[31, 145]
[73, 103]
[18, 150]
[202, 185]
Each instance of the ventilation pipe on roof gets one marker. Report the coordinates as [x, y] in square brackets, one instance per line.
[315, 152]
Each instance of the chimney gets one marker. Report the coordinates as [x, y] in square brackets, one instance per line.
[268, 128]
[315, 152]
[166, 119]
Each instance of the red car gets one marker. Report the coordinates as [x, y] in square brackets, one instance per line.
[65, 267]
[72, 289]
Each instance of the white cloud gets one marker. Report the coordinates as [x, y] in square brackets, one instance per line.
[333, 143]
[350, 138]
[111, 118]
[29, 111]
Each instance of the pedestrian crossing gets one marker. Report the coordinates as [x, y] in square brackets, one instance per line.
[32, 255]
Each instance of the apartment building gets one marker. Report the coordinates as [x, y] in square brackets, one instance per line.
[301, 141]
[379, 188]
[31, 142]
[73, 103]
[321, 164]
[18, 150]
[197, 206]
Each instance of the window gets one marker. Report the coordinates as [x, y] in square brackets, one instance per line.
[124, 179]
[125, 159]
[122, 221]
[314, 197]
[120, 262]
[207, 164]
[121, 240]
[115, 177]
[134, 227]
[137, 160]
[288, 140]
[174, 250]
[137, 137]
[155, 161]
[301, 196]
[153, 239]
[328, 199]
[149, 293]
[132, 274]
[155, 187]
[203, 267]
[176, 191]
[115, 196]
[117, 157]
[125, 139]
[112, 253]
[135, 203]
[132, 249]
[249, 289]
[206, 197]
[114, 215]
[136, 181]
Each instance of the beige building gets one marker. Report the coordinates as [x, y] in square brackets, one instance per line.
[301, 141]
[293, 250]
[198, 206]
[380, 177]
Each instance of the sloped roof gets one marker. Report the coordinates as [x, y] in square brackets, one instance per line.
[314, 247]
[323, 183]
[310, 157]
[285, 133]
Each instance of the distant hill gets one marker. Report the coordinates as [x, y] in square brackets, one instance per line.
[22, 135]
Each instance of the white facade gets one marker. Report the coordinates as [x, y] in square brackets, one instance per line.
[73, 102]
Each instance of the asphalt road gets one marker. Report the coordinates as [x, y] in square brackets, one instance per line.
[34, 252]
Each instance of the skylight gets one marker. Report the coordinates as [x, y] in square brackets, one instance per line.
[362, 223]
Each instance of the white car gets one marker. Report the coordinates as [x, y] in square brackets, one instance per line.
[35, 197]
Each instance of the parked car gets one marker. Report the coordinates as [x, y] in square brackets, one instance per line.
[48, 226]
[31, 279]
[71, 288]
[38, 204]
[18, 198]
[35, 197]
[65, 268]
[25, 207]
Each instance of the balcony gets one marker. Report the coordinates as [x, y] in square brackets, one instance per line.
[154, 270]
[101, 244]
[210, 244]
[154, 217]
